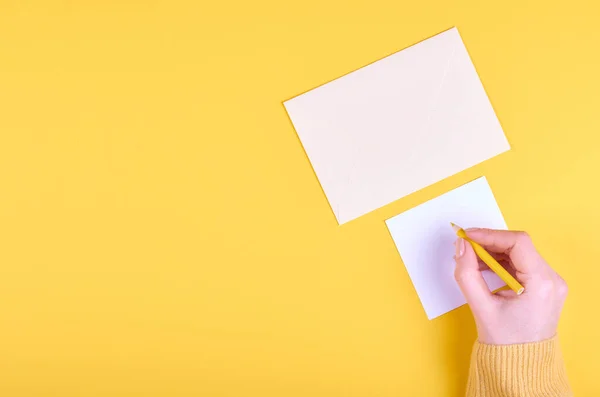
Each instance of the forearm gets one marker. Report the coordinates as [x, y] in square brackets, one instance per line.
[523, 370]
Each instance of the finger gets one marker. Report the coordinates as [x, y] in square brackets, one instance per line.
[517, 245]
[469, 278]
[482, 265]
[501, 258]
[505, 264]
[506, 293]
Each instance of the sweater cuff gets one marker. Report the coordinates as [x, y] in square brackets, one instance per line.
[525, 370]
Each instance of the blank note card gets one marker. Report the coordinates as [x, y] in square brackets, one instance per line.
[425, 240]
[397, 125]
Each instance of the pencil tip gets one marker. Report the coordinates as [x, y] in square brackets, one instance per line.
[455, 227]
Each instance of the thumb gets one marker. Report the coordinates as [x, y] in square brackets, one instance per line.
[469, 277]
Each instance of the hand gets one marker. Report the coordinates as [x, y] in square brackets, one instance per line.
[505, 318]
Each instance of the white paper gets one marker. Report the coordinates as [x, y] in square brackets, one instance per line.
[397, 125]
[425, 240]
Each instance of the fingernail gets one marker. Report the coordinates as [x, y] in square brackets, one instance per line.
[460, 247]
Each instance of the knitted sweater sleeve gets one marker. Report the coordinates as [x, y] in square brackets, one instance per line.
[524, 370]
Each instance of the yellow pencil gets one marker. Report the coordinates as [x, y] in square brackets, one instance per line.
[490, 261]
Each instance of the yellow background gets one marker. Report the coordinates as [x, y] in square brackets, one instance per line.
[162, 232]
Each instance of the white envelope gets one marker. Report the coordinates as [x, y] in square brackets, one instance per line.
[397, 125]
[425, 240]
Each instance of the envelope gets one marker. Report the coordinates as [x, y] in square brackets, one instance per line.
[397, 125]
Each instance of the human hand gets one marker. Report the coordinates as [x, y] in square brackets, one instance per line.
[504, 318]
